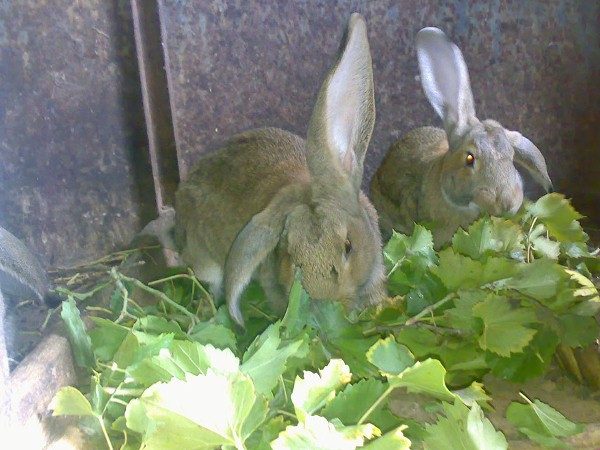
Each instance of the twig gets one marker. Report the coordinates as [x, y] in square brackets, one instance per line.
[525, 398]
[396, 265]
[156, 293]
[189, 276]
[430, 309]
[375, 405]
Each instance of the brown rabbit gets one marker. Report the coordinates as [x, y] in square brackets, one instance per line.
[447, 178]
[269, 201]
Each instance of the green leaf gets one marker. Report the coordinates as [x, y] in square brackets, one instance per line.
[472, 273]
[125, 354]
[159, 325]
[426, 292]
[532, 362]
[201, 411]
[464, 429]
[490, 236]
[578, 331]
[424, 377]
[296, 313]
[350, 404]
[316, 433]
[559, 217]
[183, 357]
[540, 279]
[418, 244]
[81, 344]
[68, 401]
[577, 291]
[261, 439]
[265, 360]
[469, 275]
[541, 423]
[393, 440]
[504, 330]
[341, 338]
[215, 334]
[473, 394]
[106, 337]
[420, 341]
[314, 391]
[390, 357]
[150, 345]
[545, 247]
[407, 259]
[461, 315]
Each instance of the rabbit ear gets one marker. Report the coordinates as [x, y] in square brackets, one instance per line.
[252, 246]
[342, 121]
[529, 156]
[445, 80]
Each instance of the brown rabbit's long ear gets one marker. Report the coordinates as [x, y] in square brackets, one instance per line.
[445, 80]
[342, 120]
[251, 247]
[529, 156]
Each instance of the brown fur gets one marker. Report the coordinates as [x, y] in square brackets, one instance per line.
[269, 202]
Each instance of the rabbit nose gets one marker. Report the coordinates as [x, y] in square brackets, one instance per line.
[509, 203]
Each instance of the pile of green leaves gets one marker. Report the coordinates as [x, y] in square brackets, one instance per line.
[501, 298]
[179, 374]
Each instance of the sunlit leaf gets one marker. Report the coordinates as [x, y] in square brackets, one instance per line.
[314, 391]
[68, 401]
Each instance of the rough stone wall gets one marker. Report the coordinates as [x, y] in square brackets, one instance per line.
[73, 159]
[74, 177]
[534, 67]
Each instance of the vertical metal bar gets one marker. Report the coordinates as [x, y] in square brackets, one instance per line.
[155, 96]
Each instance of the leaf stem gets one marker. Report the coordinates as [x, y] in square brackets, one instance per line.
[285, 413]
[104, 432]
[421, 324]
[189, 276]
[525, 398]
[375, 405]
[430, 309]
[239, 443]
[156, 293]
[528, 258]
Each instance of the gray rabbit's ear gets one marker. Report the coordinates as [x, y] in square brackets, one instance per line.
[342, 121]
[445, 80]
[252, 246]
[529, 157]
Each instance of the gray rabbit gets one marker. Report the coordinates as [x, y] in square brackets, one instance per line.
[21, 275]
[449, 177]
[270, 201]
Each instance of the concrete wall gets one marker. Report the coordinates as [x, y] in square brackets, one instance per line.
[73, 159]
[74, 177]
[534, 67]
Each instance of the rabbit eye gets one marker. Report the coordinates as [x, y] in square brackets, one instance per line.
[470, 159]
[348, 246]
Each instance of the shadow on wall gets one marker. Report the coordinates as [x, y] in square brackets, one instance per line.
[75, 176]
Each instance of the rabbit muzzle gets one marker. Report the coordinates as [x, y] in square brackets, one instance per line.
[498, 202]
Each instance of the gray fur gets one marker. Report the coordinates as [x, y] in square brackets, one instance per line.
[425, 176]
[21, 274]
